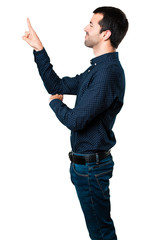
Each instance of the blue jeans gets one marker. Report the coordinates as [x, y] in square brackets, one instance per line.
[92, 185]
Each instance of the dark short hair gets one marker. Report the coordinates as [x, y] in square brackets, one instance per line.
[115, 21]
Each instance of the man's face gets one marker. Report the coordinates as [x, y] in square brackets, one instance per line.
[93, 36]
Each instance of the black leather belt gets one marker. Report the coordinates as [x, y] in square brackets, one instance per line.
[96, 157]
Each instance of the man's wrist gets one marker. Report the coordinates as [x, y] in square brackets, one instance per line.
[39, 48]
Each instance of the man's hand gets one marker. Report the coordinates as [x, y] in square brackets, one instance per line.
[31, 38]
[56, 96]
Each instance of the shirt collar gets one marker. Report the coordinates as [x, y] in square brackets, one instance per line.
[104, 58]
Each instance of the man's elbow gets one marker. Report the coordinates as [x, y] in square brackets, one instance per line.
[77, 126]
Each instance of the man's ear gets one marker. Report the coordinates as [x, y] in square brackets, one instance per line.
[106, 35]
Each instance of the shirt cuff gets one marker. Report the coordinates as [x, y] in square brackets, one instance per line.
[39, 54]
[55, 104]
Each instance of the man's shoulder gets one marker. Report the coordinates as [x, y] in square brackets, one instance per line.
[108, 70]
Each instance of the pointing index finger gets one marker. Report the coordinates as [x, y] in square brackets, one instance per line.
[29, 24]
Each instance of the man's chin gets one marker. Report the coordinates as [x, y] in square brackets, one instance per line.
[87, 45]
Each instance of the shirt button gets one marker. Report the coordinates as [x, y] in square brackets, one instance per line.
[89, 70]
[95, 64]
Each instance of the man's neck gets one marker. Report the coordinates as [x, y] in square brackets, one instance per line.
[103, 50]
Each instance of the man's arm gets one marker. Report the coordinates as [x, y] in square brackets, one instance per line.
[101, 95]
[52, 82]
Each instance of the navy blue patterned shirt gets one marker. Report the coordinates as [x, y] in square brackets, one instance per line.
[100, 92]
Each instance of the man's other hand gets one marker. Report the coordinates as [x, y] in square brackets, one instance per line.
[31, 38]
[56, 96]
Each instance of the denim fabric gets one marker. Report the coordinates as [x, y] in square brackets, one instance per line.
[92, 185]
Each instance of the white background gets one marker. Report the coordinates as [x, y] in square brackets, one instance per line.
[37, 199]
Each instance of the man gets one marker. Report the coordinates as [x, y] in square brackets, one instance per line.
[100, 92]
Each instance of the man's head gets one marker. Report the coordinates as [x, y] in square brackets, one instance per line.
[107, 24]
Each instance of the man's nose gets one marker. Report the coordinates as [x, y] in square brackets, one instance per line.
[86, 28]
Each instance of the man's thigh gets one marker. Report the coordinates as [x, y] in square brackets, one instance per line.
[92, 186]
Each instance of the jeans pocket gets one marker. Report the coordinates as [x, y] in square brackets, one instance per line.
[103, 182]
[80, 170]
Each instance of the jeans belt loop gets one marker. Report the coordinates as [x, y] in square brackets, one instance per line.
[97, 158]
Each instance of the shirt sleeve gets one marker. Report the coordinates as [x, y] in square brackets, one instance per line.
[51, 80]
[98, 97]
